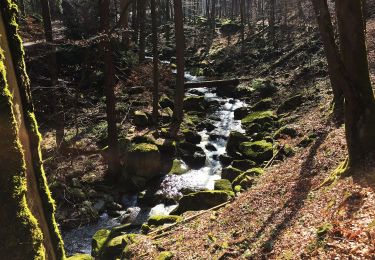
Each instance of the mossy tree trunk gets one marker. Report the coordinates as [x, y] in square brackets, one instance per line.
[29, 230]
[113, 159]
[359, 97]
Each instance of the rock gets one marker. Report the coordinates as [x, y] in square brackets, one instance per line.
[225, 159]
[252, 129]
[98, 240]
[261, 118]
[223, 184]
[191, 136]
[288, 151]
[193, 155]
[227, 90]
[77, 194]
[159, 220]
[246, 179]
[234, 140]
[166, 102]
[178, 167]
[114, 246]
[264, 87]
[197, 92]
[210, 147]
[291, 104]
[243, 165]
[165, 255]
[140, 118]
[194, 103]
[286, 131]
[142, 163]
[262, 105]
[166, 114]
[166, 147]
[241, 112]
[230, 173]
[80, 257]
[99, 205]
[229, 28]
[258, 151]
[201, 200]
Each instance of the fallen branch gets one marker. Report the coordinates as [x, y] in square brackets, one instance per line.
[273, 158]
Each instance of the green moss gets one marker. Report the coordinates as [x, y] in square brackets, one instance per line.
[145, 228]
[80, 257]
[166, 255]
[144, 148]
[258, 151]
[323, 230]
[230, 173]
[291, 103]
[286, 131]
[223, 184]
[234, 140]
[178, 167]
[262, 105]
[246, 180]
[159, 220]
[99, 239]
[260, 117]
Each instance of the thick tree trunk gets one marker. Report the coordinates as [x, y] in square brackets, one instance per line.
[27, 213]
[125, 22]
[180, 50]
[155, 92]
[106, 51]
[142, 32]
[359, 98]
[332, 53]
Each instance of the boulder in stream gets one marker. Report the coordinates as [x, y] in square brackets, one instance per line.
[234, 140]
[193, 155]
[194, 103]
[223, 184]
[230, 173]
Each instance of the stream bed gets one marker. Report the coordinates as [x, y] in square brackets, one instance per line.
[78, 240]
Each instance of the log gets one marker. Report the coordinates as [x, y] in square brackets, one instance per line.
[212, 83]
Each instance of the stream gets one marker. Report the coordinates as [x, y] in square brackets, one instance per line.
[78, 240]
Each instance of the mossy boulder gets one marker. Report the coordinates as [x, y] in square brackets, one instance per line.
[262, 105]
[193, 155]
[264, 87]
[201, 200]
[142, 163]
[241, 112]
[286, 131]
[178, 167]
[167, 148]
[291, 104]
[194, 103]
[234, 140]
[225, 159]
[260, 117]
[243, 165]
[223, 184]
[246, 179]
[140, 119]
[258, 151]
[192, 136]
[159, 220]
[80, 257]
[166, 255]
[166, 114]
[99, 239]
[166, 102]
[230, 173]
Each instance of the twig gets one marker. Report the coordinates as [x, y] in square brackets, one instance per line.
[273, 158]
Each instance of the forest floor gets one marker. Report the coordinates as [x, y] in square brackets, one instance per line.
[287, 214]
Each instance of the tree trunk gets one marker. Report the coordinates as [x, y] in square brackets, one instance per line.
[332, 53]
[21, 6]
[180, 49]
[242, 11]
[359, 98]
[155, 92]
[135, 24]
[142, 32]
[271, 21]
[27, 213]
[125, 23]
[110, 99]
[213, 14]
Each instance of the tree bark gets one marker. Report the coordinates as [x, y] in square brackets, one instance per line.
[27, 213]
[155, 96]
[142, 32]
[125, 23]
[359, 97]
[114, 166]
[271, 20]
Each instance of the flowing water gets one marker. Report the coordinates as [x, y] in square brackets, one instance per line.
[79, 240]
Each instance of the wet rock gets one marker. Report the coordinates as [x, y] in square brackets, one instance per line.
[196, 92]
[291, 104]
[241, 112]
[142, 163]
[258, 151]
[210, 147]
[230, 173]
[243, 165]
[201, 200]
[178, 167]
[140, 118]
[166, 102]
[194, 103]
[225, 159]
[193, 155]
[223, 184]
[215, 136]
[234, 140]
[191, 136]
[227, 90]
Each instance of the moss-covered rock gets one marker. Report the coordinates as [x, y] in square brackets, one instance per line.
[193, 155]
[167, 147]
[80, 257]
[260, 117]
[243, 165]
[192, 136]
[262, 105]
[194, 103]
[178, 167]
[246, 179]
[230, 173]
[264, 87]
[258, 151]
[145, 229]
[166, 114]
[165, 102]
[140, 119]
[241, 112]
[291, 104]
[286, 131]
[99, 239]
[201, 200]
[142, 163]
[225, 159]
[234, 140]
[159, 220]
[166, 255]
[223, 184]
